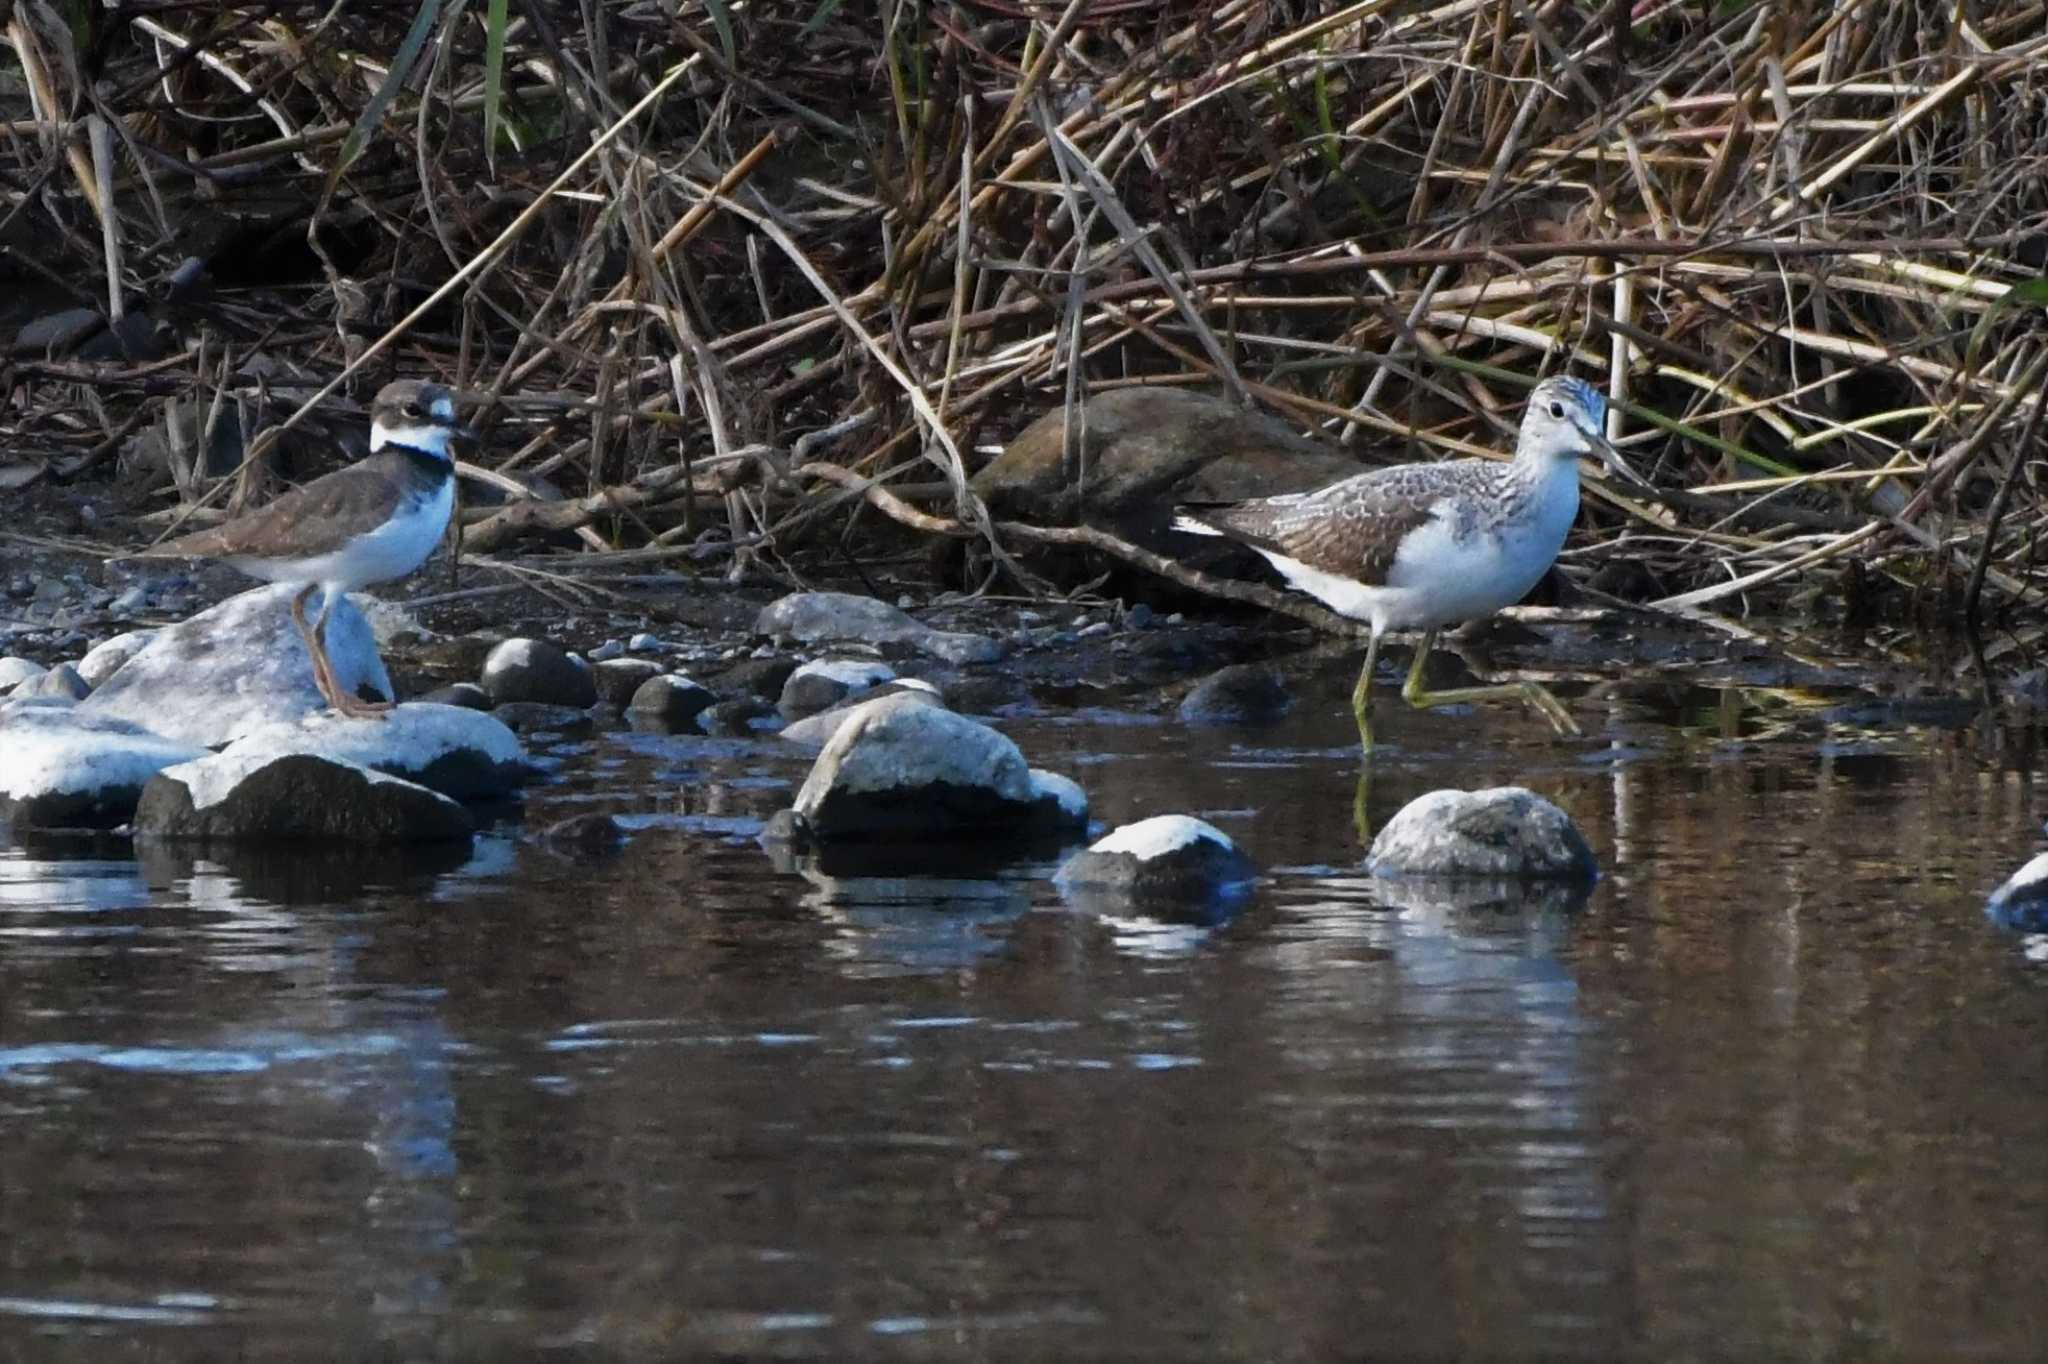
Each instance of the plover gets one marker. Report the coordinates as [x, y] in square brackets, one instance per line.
[375, 520]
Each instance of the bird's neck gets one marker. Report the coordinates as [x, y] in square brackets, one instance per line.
[426, 445]
[427, 440]
[1539, 470]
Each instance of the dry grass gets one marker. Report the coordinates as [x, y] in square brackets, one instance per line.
[725, 277]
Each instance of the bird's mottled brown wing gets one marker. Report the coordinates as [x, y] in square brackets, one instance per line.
[313, 519]
[1352, 529]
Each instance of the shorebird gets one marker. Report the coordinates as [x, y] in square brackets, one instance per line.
[375, 520]
[1422, 546]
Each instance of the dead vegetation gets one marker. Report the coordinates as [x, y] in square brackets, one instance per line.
[729, 277]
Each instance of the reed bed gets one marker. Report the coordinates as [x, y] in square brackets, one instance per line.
[755, 285]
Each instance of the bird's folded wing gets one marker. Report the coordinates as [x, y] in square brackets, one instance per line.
[1352, 529]
[314, 519]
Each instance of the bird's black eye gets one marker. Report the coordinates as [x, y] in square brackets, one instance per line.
[414, 411]
[1556, 410]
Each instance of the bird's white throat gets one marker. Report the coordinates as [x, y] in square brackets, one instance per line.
[424, 437]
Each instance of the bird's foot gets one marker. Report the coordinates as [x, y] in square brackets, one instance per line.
[354, 707]
[1551, 709]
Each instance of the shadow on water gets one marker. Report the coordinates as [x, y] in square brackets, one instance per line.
[667, 1096]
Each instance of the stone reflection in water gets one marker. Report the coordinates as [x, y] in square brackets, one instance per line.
[908, 908]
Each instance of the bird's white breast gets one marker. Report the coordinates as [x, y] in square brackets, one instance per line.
[392, 550]
[1442, 576]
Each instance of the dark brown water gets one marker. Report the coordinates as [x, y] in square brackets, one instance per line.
[1778, 1089]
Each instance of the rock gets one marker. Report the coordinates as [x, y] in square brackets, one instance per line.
[15, 671]
[130, 600]
[462, 753]
[105, 658]
[668, 704]
[1174, 858]
[987, 694]
[1503, 831]
[391, 625]
[618, 679]
[821, 617]
[62, 769]
[645, 644]
[527, 717]
[828, 681]
[468, 695]
[61, 681]
[535, 670]
[740, 718]
[610, 649]
[293, 797]
[2021, 903]
[817, 730]
[1241, 694]
[212, 678]
[1148, 448]
[762, 677]
[902, 768]
[584, 836]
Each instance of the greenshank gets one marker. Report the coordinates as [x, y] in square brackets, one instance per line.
[1422, 546]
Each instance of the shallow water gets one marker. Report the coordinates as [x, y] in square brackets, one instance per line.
[1777, 1088]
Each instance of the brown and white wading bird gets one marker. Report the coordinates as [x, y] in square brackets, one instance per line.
[1422, 546]
[378, 519]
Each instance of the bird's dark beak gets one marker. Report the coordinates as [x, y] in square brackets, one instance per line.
[466, 433]
[1611, 457]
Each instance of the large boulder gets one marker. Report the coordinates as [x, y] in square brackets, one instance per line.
[901, 768]
[1504, 831]
[1144, 449]
[63, 769]
[237, 667]
[839, 617]
[459, 752]
[293, 797]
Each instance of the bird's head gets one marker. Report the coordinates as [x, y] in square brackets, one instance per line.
[1567, 418]
[417, 415]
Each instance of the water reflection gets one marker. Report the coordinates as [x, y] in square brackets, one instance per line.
[682, 1099]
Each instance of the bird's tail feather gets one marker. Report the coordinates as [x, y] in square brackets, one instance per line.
[1192, 526]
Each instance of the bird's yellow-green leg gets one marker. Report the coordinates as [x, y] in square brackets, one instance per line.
[1360, 815]
[1533, 693]
[1361, 695]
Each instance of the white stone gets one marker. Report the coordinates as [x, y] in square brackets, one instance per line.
[103, 659]
[234, 668]
[644, 644]
[817, 617]
[15, 671]
[404, 741]
[856, 674]
[1158, 836]
[55, 750]
[212, 779]
[1073, 801]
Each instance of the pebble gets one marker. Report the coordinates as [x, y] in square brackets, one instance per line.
[1100, 627]
[1139, 617]
[134, 599]
[610, 649]
[644, 643]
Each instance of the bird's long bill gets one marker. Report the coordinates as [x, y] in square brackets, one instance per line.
[466, 433]
[1611, 457]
